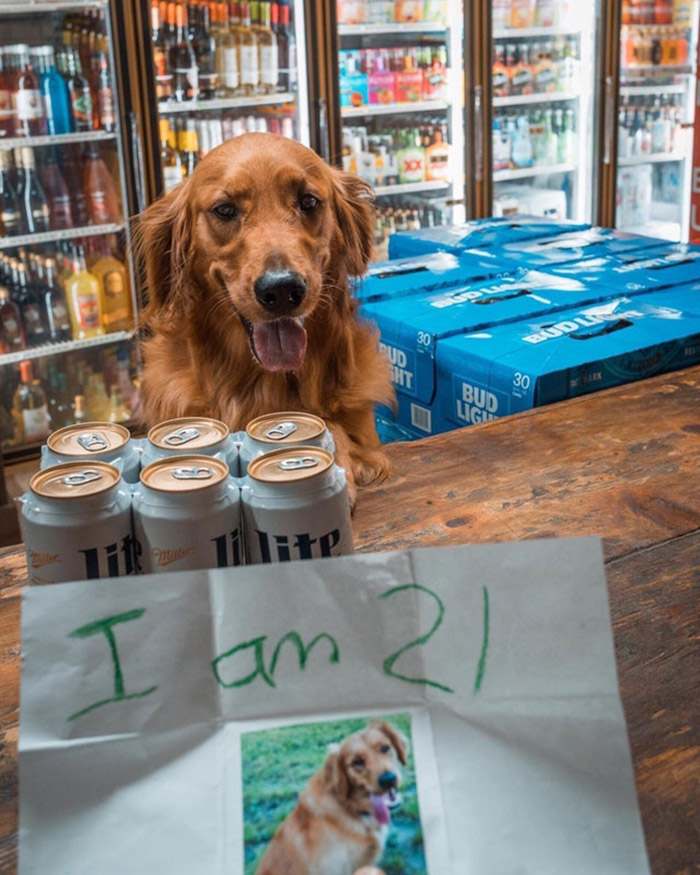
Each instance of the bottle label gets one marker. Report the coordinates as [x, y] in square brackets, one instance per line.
[172, 176]
[62, 213]
[82, 107]
[9, 219]
[40, 215]
[269, 72]
[232, 78]
[10, 327]
[61, 318]
[98, 207]
[249, 65]
[5, 105]
[88, 310]
[28, 105]
[36, 422]
[113, 285]
[32, 319]
[190, 75]
[105, 102]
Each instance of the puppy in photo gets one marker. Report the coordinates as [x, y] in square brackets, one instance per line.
[247, 267]
[342, 818]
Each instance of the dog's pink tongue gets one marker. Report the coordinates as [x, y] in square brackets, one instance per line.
[380, 808]
[280, 345]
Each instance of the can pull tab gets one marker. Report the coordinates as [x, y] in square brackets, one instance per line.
[298, 462]
[280, 431]
[92, 442]
[181, 436]
[81, 477]
[193, 473]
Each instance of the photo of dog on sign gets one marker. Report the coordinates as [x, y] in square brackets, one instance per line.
[332, 798]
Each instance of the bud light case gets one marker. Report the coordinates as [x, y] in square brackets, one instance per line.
[405, 276]
[483, 233]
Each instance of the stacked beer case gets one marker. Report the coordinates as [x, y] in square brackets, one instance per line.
[502, 315]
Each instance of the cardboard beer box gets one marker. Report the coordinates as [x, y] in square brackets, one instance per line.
[491, 232]
[438, 270]
[488, 374]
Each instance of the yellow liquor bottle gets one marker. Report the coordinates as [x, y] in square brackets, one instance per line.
[83, 296]
[115, 293]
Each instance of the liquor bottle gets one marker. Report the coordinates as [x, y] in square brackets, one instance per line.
[29, 407]
[73, 176]
[11, 331]
[79, 93]
[31, 194]
[27, 104]
[100, 191]
[170, 161]
[159, 44]
[228, 68]
[182, 60]
[31, 306]
[115, 293]
[83, 296]
[105, 114]
[55, 305]
[79, 408]
[117, 409]
[53, 89]
[7, 122]
[56, 191]
[189, 147]
[204, 46]
[248, 53]
[11, 214]
[437, 157]
[268, 48]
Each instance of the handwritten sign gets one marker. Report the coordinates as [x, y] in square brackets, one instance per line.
[135, 694]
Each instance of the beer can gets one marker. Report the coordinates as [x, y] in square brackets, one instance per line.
[76, 521]
[189, 435]
[288, 428]
[295, 506]
[94, 441]
[187, 515]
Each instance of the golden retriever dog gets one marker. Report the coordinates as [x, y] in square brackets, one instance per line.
[341, 820]
[249, 310]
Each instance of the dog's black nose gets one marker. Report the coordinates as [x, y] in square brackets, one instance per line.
[280, 291]
[387, 780]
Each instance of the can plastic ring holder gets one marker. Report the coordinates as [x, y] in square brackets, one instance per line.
[182, 436]
[192, 473]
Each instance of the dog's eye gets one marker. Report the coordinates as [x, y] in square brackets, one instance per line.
[358, 762]
[226, 212]
[384, 748]
[308, 203]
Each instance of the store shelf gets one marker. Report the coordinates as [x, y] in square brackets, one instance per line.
[168, 108]
[398, 28]
[527, 172]
[56, 139]
[655, 70]
[655, 28]
[533, 32]
[394, 108]
[541, 97]
[651, 90]
[31, 7]
[55, 236]
[653, 158]
[37, 352]
[410, 188]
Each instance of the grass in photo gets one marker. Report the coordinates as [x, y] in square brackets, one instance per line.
[332, 797]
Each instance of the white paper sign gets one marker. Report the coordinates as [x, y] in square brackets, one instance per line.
[170, 723]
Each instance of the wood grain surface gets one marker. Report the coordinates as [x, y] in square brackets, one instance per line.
[623, 464]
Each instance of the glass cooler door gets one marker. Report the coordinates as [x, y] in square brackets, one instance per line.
[67, 304]
[543, 107]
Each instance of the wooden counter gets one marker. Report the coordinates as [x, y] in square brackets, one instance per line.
[623, 464]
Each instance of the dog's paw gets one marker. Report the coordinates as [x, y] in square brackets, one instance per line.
[371, 467]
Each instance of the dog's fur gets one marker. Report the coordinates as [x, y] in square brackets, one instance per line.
[200, 271]
[332, 830]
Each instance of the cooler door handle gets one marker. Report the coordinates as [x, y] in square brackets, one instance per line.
[609, 120]
[140, 178]
[325, 139]
[478, 133]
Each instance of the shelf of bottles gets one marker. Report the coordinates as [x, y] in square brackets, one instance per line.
[400, 66]
[66, 287]
[656, 108]
[224, 69]
[542, 94]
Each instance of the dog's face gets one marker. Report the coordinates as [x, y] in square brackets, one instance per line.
[269, 233]
[365, 772]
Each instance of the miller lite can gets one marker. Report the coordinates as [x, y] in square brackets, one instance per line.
[76, 521]
[190, 435]
[187, 515]
[274, 430]
[295, 506]
[94, 441]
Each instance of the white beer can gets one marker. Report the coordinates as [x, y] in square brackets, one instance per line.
[191, 434]
[288, 428]
[76, 521]
[94, 441]
[295, 506]
[187, 515]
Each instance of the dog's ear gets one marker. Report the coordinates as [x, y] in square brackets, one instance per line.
[354, 212]
[161, 240]
[397, 739]
[335, 774]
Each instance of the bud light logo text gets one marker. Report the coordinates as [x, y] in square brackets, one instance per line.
[475, 403]
[402, 366]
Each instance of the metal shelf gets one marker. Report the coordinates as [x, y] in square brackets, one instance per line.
[410, 188]
[56, 139]
[655, 70]
[527, 32]
[653, 158]
[55, 236]
[641, 90]
[397, 28]
[394, 108]
[540, 97]
[37, 352]
[527, 172]
[168, 108]
[30, 7]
